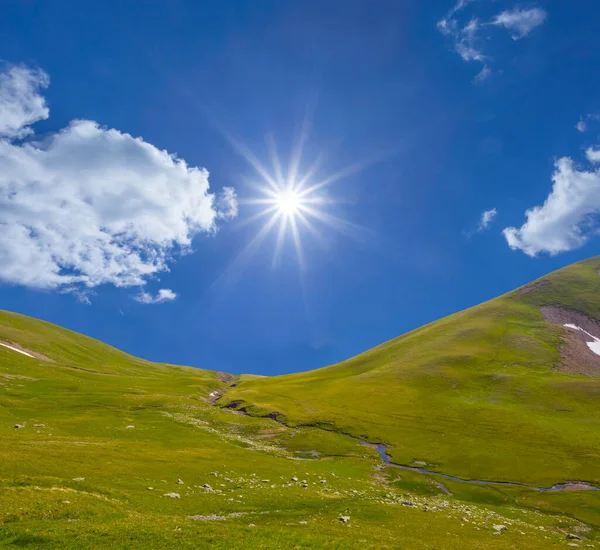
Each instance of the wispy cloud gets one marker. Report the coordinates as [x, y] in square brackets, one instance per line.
[20, 101]
[163, 295]
[583, 123]
[470, 35]
[90, 205]
[521, 21]
[569, 216]
[486, 218]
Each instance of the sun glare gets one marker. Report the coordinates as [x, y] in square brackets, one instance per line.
[292, 203]
[288, 202]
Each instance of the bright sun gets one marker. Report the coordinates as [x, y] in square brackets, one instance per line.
[288, 202]
[292, 203]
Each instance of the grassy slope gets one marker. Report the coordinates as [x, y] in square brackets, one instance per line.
[476, 394]
[76, 409]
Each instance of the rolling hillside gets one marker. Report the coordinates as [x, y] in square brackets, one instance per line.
[482, 394]
[101, 449]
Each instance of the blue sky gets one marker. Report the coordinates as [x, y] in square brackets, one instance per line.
[123, 136]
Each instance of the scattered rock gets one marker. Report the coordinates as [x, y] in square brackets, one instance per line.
[18, 426]
[130, 427]
[207, 487]
[294, 478]
[499, 528]
[304, 485]
[573, 544]
[66, 502]
[571, 536]
[180, 482]
[214, 474]
[177, 528]
[212, 517]
[172, 495]
[407, 503]
[39, 425]
[419, 463]
[150, 488]
[251, 525]
[344, 519]
[323, 481]
[79, 479]
[265, 480]
[303, 522]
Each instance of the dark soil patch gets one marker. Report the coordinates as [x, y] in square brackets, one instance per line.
[30, 352]
[576, 356]
[537, 285]
[225, 377]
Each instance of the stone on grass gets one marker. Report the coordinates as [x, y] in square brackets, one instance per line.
[571, 536]
[407, 503]
[344, 519]
[79, 479]
[130, 427]
[180, 482]
[499, 528]
[18, 426]
[294, 478]
[172, 495]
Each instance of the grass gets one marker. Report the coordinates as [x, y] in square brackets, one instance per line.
[475, 395]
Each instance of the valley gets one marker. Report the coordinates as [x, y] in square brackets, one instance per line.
[476, 431]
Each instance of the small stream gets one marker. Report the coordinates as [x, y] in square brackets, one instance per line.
[382, 450]
[570, 486]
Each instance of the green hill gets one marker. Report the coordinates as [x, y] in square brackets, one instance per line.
[480, 394]
[101, 449]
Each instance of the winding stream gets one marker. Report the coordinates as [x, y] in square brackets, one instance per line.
[382, 450]
[570, 486]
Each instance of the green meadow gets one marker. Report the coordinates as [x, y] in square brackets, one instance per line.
[116, 452]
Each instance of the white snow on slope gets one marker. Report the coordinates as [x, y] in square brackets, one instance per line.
[594, 346]
[17, 350]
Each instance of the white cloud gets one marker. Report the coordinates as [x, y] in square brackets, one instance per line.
[520, 21]
[466, 42]
[470, 37]
[593, 154]
[486, 218]
[568, 217]
[20, 101]
[483, 75]
[466, 38]
[581, 125]
[90, 205]
[227, 205]
[163, 295]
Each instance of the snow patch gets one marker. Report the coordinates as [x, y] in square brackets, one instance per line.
[594, 346]
[17, 350]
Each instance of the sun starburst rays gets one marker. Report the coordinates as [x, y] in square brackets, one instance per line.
[290, 202]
